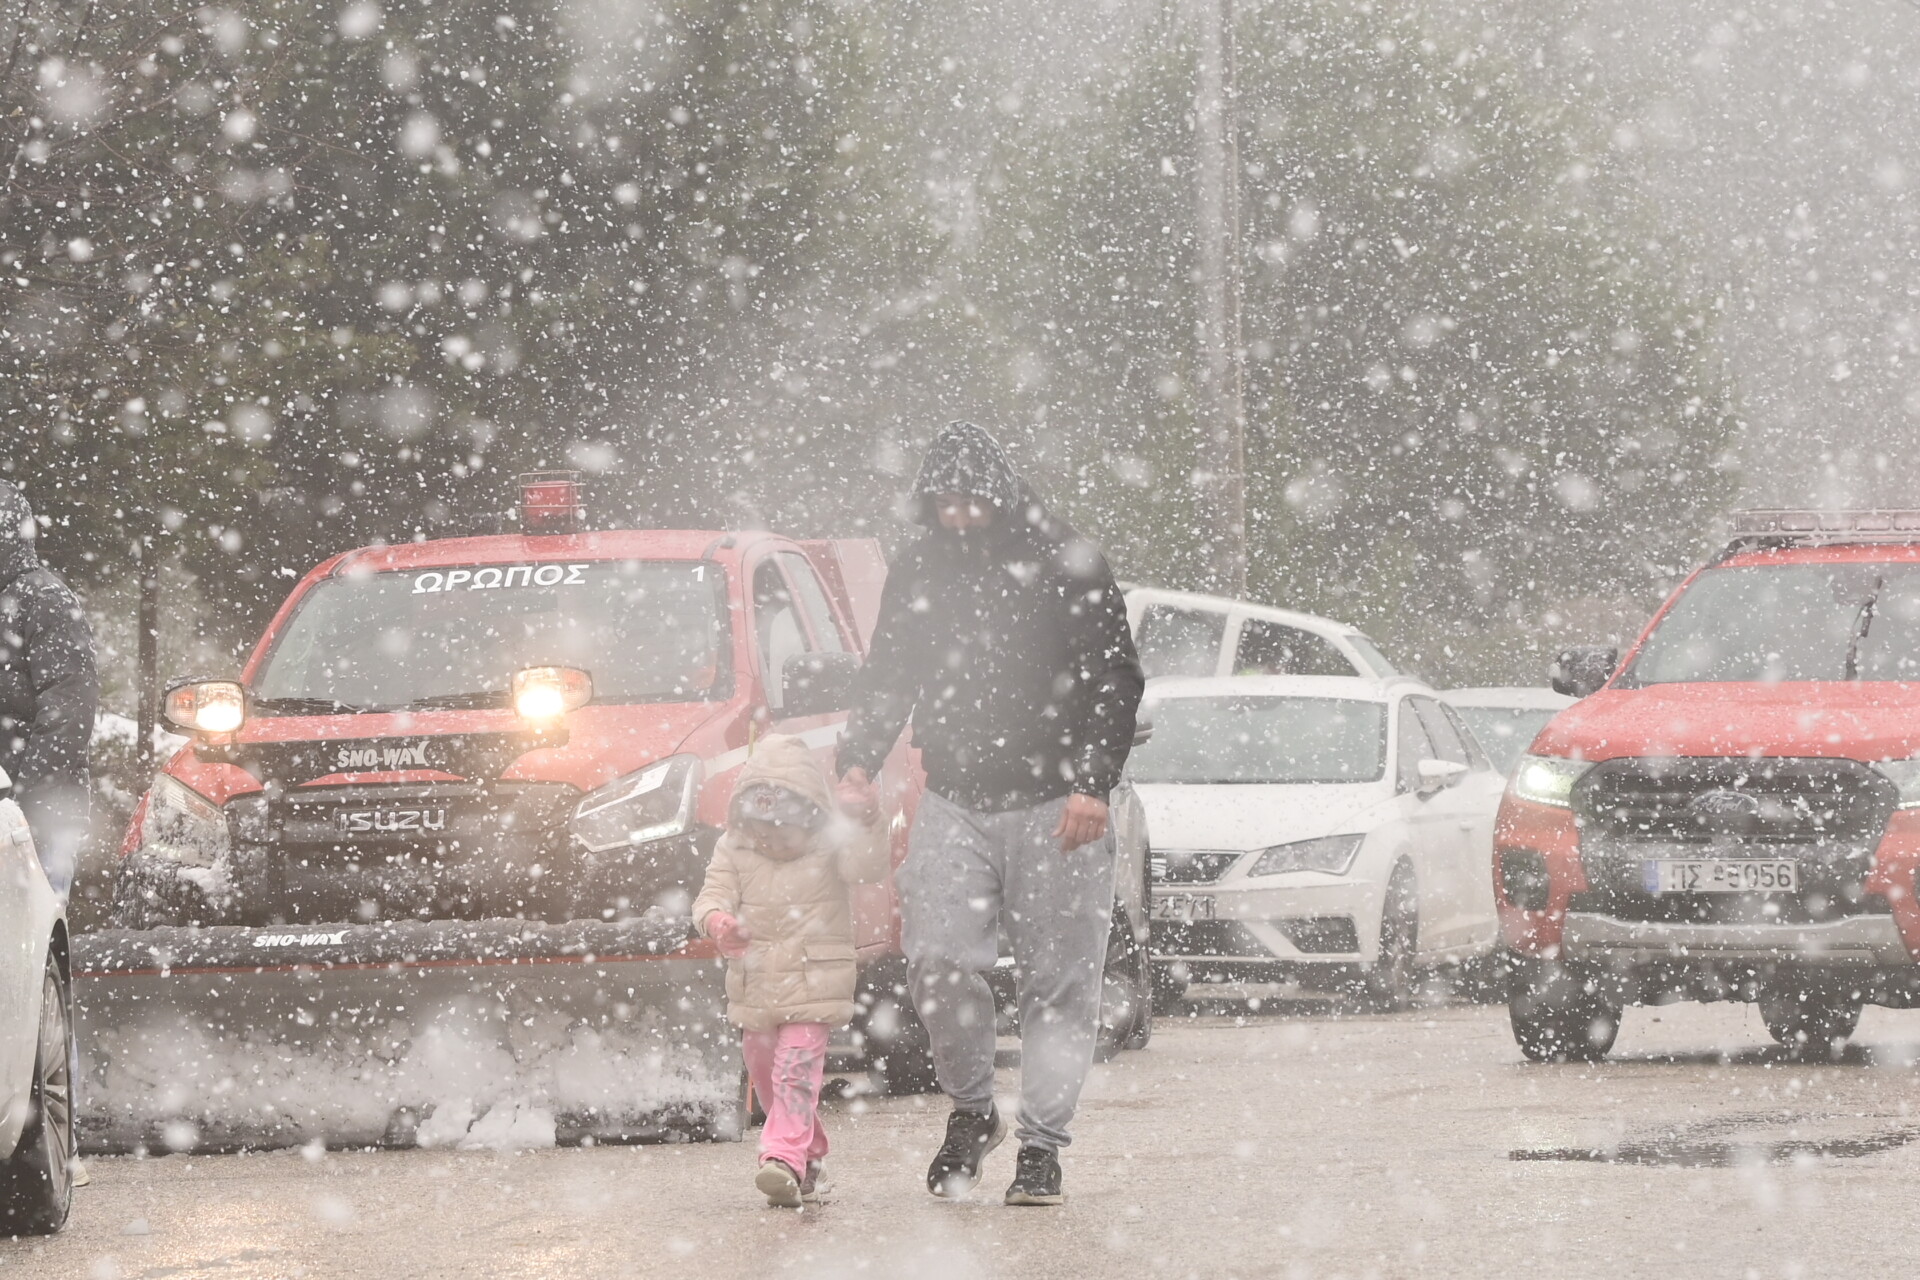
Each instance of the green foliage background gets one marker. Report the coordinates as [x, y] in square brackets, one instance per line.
[283, 278]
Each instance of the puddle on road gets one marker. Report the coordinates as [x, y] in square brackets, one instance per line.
[1750, 1139]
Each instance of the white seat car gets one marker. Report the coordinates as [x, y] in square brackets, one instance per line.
[1334, 831]
[1181, 633]
[36, 1082]
[1504, 722]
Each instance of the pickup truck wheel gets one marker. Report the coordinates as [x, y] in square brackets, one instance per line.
[1811, 1021]
[899, 1053]
[36, 1181]
[1561, 1015]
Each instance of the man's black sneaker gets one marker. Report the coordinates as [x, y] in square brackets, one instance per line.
[1036, 1178]
[970, 1136]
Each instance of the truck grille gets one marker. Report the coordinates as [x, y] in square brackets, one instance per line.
[1191, 866]
[1827, 816]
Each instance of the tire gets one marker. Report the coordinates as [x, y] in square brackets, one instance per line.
[1561, 1014]
[1811, 1021]
[36, 1181]
[898, 1052]
[1392, 982]
[1169, 991]
[1126, 993]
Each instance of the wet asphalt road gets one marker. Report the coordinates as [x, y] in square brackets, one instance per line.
[1262, 1144]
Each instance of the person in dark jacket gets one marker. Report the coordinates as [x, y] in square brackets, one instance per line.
[48, 694]
[1003, 639]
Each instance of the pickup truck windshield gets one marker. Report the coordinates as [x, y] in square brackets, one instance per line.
[1773, 623]
[646, 631]
[1262, 740]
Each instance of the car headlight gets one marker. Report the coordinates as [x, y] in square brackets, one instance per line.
[182, 825]
[652, 804]
[1332, 854]
[1905, 776]
[1547, 779]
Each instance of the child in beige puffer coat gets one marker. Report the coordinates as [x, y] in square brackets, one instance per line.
[777, 902]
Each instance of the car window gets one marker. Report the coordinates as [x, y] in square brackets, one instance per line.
[1504, 732]
[1180, 642]
[1371, 655]
[813, 602]
[1410, 748]
[1261, 739]
[1476, 754]
[1270, 649]
[1446, 740]
[777, 625]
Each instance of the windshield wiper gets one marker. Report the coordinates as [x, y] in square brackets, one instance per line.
[1862, 622]
[305, 706]
[458, 701]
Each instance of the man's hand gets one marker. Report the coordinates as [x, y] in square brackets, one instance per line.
[1083, 821]
[858, 797]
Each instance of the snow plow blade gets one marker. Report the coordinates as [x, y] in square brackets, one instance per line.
[499, 1033]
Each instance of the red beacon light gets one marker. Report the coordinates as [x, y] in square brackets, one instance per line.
[552, 502]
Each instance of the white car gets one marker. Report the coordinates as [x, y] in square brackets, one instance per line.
[1180, 633]
[36, 1080]
[1506, 721]
[1333, 831]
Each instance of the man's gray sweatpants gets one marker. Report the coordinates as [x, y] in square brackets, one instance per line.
[963, 870]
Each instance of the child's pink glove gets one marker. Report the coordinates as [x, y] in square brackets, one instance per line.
[728, 934]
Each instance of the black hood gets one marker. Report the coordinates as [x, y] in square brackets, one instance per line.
[963, 458]
[17, 555]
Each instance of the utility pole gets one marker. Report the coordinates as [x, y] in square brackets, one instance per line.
[1222, 455]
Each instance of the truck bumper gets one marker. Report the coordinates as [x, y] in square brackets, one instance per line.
[1858, 941]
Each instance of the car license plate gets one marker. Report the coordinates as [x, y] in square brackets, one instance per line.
[1721, 875]
[1183, 908]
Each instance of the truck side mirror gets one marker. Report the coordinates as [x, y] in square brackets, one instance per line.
[817, 684]
[1581, 670]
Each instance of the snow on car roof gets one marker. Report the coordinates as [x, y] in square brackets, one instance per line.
[1222, 604]
[1519, 697]
[1361, 687]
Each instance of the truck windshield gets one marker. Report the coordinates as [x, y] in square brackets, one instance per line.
[1262, 740]
[646, 631]
[1775, 623]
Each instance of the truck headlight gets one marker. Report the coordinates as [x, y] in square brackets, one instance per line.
[182, 825]
[1905, 777]
[653, 804]
[1547, 780]
[1332, 854]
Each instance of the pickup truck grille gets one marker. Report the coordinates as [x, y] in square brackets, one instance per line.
[1826, 816]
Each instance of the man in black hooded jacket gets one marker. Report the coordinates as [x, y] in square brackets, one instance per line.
[1003, 638]
[48, 694]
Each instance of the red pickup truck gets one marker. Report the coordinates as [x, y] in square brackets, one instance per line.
[1732, 812]
[495, 767]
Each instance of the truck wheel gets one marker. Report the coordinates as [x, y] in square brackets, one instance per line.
[1811, 1021]
[898, 1051]
[36, 1181]
[1169, 990]
[1561, 1015]
[1126, 993]
[1390, 983]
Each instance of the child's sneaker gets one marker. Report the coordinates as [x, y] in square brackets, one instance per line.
[779, 1184]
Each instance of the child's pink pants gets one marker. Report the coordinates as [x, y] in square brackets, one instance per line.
[786, 1065]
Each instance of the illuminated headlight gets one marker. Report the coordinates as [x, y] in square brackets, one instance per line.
[207, 706]
[1332, 854]
[1905, 776]
[182, 825]
[1547, 780]
[653, 804]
